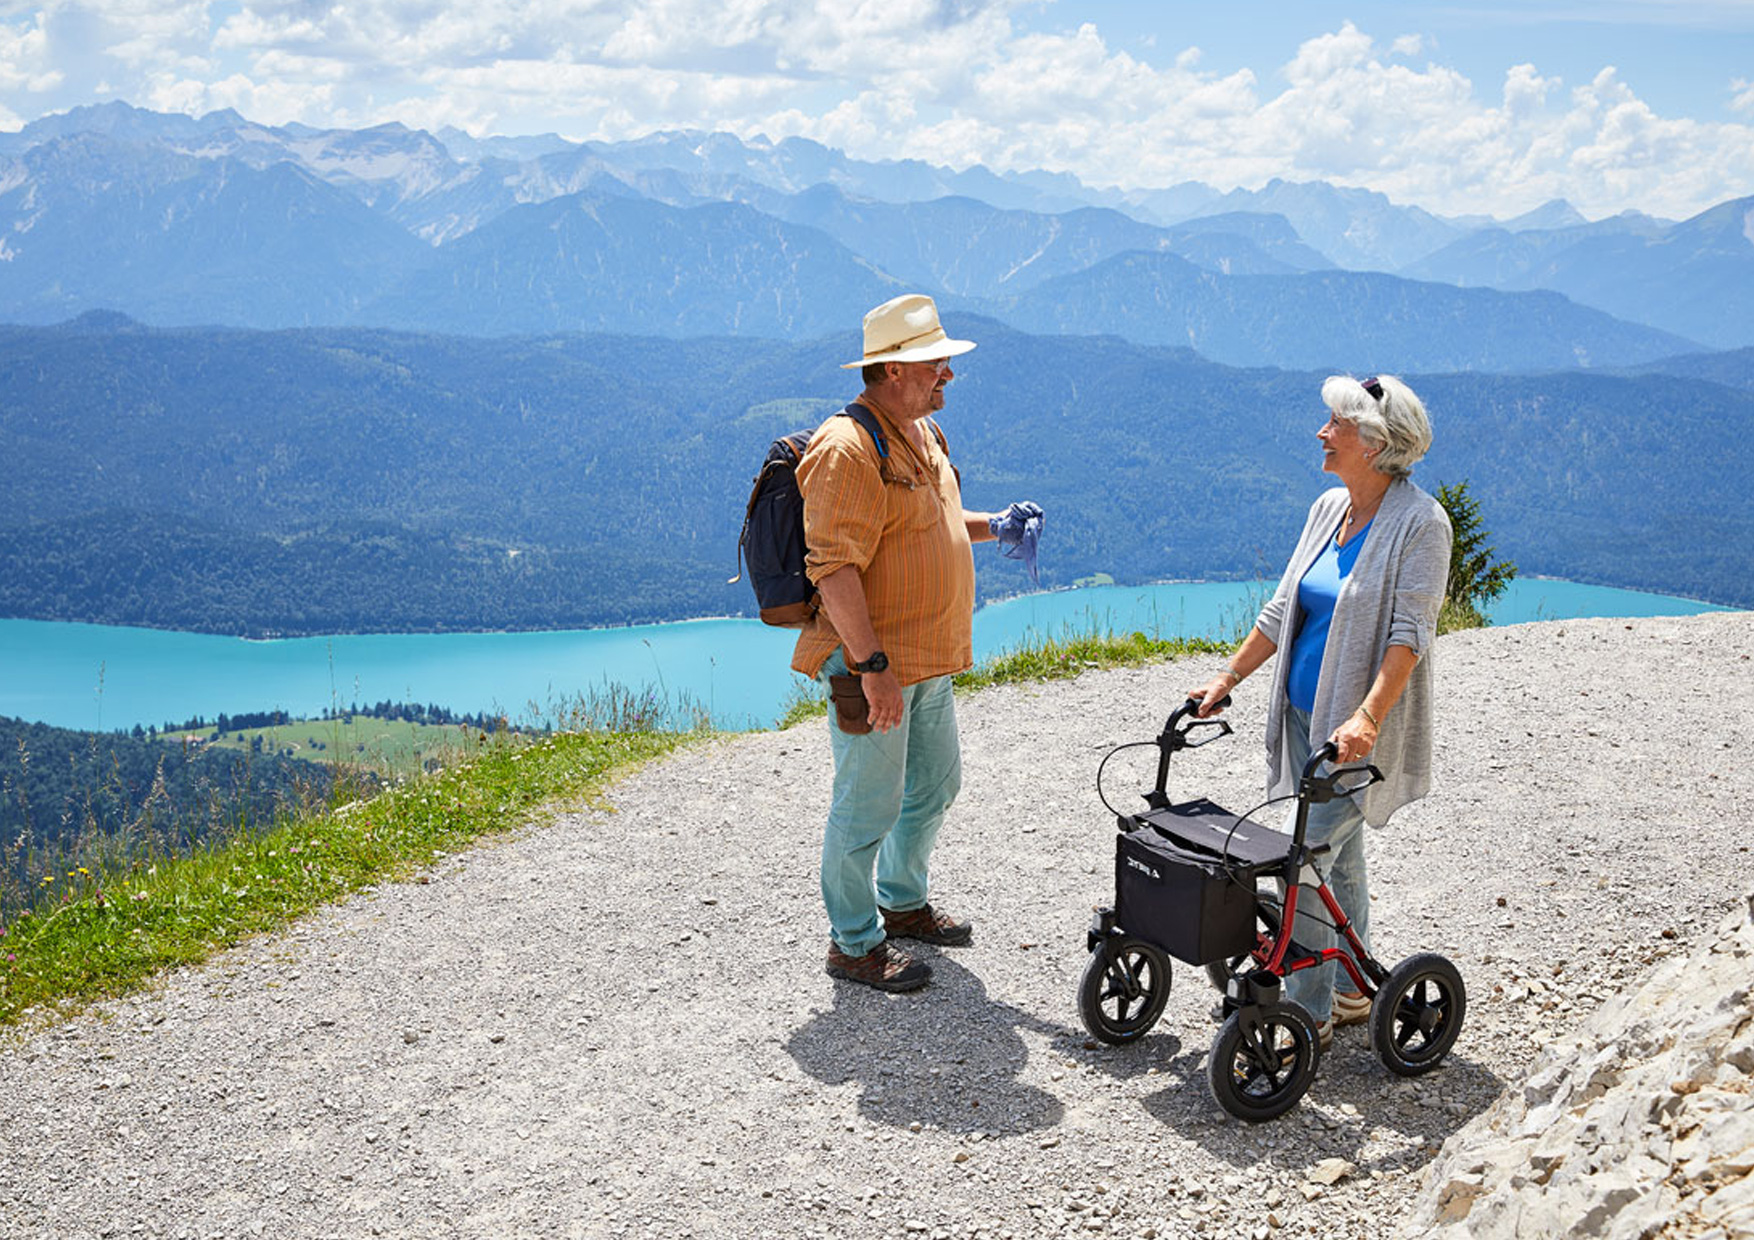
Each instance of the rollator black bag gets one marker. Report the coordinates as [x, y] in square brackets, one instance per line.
[1182, 901]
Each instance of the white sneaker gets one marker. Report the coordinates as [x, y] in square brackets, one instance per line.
[1351, 1008]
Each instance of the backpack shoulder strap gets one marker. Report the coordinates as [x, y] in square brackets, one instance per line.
[939, 432]
[865, 418]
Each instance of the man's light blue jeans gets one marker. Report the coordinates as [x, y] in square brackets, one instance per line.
[891, 790]
[1340, 825]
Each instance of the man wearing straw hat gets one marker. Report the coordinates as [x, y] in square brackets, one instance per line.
[890, 554]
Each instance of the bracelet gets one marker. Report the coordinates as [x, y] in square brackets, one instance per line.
[1231, 672]
[1365, 711]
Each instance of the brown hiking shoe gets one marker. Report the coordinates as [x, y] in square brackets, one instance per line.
[886, 967]
[928, 926]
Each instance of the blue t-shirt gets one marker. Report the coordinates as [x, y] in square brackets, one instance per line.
[1316, 595]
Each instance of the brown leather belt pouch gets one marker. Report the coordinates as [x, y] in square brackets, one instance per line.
[850, 709]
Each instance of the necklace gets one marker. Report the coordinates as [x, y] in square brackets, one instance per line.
[1355, 521]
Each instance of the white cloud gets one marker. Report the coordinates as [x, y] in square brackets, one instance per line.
[1345, 112]
[24, 60]
[1320, 59]
[271, 102]
[953, 81]
[1525, 91]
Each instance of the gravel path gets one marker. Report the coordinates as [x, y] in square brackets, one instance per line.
[619, 1025]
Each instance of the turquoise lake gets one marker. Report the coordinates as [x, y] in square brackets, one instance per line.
[98, 677]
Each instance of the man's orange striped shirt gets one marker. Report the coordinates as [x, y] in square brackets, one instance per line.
[899, 522]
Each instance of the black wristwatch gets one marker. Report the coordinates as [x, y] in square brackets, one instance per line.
[878, 662]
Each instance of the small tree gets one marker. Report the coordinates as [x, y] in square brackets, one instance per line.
[1475, 577]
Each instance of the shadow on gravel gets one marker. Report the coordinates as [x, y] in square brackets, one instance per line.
[947, 1056]
[1361, 1097]
[1185, 1103]
[1356, 1109]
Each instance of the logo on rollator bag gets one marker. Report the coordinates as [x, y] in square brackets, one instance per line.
[1143, 868]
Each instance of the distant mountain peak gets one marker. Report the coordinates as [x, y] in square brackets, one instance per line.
[104, 321]
[1555, 213]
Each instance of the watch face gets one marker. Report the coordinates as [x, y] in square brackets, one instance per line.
[878, 662]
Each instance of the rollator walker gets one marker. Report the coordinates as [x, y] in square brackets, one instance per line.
[1216, 889]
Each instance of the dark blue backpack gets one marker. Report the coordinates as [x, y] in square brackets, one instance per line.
[771, 547]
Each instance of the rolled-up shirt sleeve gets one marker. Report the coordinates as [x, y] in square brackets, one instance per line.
[1419, 587]
[844, 505]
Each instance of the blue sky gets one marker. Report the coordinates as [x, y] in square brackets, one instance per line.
[1681, 58]
[1481, 107]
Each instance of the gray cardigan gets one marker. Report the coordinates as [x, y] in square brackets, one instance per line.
[1391, 598]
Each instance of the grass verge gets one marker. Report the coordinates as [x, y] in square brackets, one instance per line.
[1051, 659]
[1056, 659]
[94, 935]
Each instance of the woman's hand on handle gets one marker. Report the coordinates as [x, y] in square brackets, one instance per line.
[1255, 650]
[1354, 739]
[1209, 695]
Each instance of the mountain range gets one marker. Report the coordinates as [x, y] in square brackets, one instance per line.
[178, 220]
[325, 480]
[1341, 320]
[1695, 278]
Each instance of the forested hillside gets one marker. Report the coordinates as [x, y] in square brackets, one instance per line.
[1338, 319]
[61, 791]
[329, 480]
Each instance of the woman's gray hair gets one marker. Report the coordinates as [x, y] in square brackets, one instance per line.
[1393, 423]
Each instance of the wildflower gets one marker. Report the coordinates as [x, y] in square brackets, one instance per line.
[10, 958]
[83, 871]
[139, 895]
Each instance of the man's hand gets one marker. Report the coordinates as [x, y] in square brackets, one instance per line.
[1008, 526]
[1018, 530]
[883, 700]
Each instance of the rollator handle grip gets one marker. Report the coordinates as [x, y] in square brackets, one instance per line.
[1190, 707]
[1315, 789]
[1174, 738]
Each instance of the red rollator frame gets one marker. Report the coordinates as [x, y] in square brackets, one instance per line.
[1189, 884]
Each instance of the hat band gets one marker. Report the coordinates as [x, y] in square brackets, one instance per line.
[899, 345]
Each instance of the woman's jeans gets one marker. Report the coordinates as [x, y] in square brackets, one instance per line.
[1340, 825]
[891, 790]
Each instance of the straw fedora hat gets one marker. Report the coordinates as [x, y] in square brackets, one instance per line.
[906, 329]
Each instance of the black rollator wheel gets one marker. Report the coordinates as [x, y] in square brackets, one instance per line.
[1259, 1069]
[1417, 1014]
[1123, 990]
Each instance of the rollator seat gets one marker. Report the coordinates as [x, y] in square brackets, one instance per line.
[1214, 831]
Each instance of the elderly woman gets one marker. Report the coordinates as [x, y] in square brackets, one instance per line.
[1355, 615]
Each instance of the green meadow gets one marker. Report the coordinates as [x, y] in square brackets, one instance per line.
[385, 747]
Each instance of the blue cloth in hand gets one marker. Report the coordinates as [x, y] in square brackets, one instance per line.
[1018, 530]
